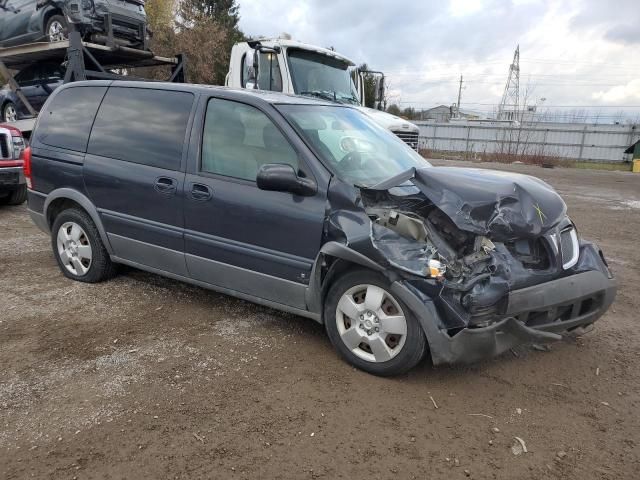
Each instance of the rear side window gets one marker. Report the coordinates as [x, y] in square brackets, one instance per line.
[142, 126]
[66, 122]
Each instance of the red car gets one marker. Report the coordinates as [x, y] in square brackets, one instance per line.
[14, 153]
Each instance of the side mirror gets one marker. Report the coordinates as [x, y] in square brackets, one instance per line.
[279, 177]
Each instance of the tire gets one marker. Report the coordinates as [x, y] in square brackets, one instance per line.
[9, 112]
[18, 196]
[56, 29]
[383, 341]
[78, 248]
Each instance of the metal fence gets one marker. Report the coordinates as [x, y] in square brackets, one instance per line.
[576, 141]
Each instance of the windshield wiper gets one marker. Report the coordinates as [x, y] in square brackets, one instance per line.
[344, 98]
[331, 96]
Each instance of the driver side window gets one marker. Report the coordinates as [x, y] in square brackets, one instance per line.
[238, 139]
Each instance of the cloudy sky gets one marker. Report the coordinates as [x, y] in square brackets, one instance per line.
[574, 54]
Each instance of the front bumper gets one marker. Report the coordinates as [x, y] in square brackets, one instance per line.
[11, 177]
[128, 28]
[541, 313]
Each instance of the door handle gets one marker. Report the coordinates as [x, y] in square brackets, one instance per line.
[200, 192]
[166, 185]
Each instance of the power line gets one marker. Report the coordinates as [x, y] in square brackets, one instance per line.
[577, 62]
[535, 84]
[495, 104]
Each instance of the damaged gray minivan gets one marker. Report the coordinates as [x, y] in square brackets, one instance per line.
[310, 207]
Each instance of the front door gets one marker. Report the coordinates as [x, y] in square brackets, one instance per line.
[240, 237]
[134, 174]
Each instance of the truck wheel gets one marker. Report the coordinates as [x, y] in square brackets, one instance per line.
[57, 29]
[370, 328]
[18, 196]
[9, 112]
[78, 248]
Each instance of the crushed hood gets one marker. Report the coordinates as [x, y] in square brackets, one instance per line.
[501, 205]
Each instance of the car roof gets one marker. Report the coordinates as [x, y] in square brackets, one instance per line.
[231, 93]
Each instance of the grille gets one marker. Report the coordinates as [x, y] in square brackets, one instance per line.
[125, 27]
[410, 138]
[564, 312]
[4, 146]
[569, 247]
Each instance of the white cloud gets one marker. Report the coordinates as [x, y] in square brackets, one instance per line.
[620, 94]
[459, 8]
[575, 52]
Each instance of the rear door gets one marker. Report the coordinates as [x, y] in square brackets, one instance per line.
[240, 237]
[134, 173]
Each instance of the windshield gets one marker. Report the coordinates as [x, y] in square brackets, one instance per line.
[321, 76]
[354, 146]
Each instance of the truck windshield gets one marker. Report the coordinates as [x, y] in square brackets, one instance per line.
[321, 76]
[351, 144]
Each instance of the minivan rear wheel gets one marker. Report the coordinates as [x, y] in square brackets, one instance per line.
[78, 248]
[57, 29]
[371, 328]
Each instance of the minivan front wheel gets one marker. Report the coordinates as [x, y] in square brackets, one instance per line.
[78, 249]
[57, 29]
[370, 328]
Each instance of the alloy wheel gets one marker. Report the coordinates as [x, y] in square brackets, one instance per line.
[10, 113]
[56, 32]
[74, 248]
[371, 323]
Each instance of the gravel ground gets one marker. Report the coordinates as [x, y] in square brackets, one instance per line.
[144, 377]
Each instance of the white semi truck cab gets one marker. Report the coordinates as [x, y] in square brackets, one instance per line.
[289, 66]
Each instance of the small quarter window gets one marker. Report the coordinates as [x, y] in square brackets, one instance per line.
[238, 139]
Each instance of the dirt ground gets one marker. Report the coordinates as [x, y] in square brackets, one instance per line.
[144, 377]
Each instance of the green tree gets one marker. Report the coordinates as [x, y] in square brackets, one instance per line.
[225, 14]
[369, 84]
[409, 113]
[160, 13]
[394, 110]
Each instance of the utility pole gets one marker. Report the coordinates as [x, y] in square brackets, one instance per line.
[459, 97]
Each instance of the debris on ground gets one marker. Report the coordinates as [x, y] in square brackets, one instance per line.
[519, 447]
[479, 415]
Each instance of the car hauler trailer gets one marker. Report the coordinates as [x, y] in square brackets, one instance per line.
[82, 61]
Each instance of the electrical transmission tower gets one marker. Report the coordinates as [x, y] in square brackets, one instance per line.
[508, 109]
